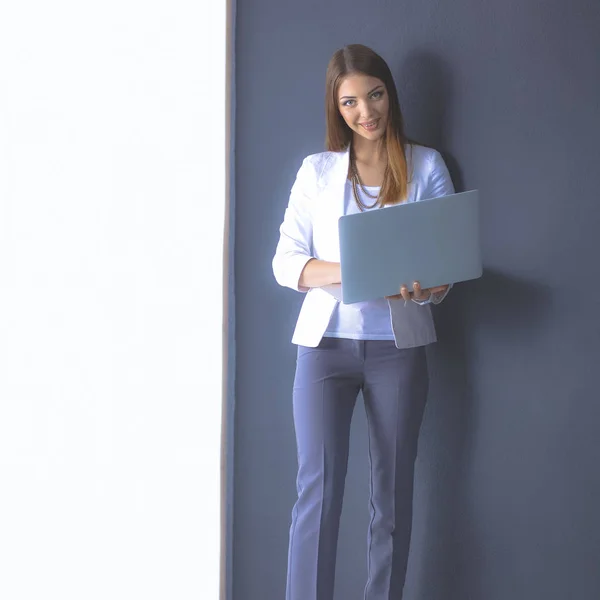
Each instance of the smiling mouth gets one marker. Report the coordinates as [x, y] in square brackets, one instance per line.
[370, 125]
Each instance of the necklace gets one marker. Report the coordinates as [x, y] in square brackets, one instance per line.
[356, 183]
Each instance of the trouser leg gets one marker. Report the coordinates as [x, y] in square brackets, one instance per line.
[395, 393]
[328, 379]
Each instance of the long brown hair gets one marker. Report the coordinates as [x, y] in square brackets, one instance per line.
[353, 59]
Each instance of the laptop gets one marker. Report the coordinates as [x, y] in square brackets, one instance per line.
[432, 241]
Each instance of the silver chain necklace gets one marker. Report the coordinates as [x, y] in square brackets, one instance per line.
[356, 183]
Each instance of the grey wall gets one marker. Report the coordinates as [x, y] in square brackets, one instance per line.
[508, 474]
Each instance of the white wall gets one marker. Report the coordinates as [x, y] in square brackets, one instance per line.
[112, 204]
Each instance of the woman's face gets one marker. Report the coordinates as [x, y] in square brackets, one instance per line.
[364, 105]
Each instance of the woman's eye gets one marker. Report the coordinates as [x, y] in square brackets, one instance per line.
[377, 95]
[348, 103]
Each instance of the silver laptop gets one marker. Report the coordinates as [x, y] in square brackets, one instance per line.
[432, 241]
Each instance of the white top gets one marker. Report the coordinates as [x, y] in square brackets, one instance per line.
[362, 320]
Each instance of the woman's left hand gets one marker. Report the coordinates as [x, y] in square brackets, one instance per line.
[418, 293]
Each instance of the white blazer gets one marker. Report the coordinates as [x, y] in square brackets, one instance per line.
[310, 230]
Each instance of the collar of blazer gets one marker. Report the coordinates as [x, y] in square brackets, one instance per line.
[333, 174]
[332, 181]
[334, 170]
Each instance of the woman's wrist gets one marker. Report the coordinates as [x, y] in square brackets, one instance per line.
[317, 273]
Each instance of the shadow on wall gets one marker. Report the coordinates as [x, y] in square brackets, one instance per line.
[450, 536]
[426, 97]
[447, 540]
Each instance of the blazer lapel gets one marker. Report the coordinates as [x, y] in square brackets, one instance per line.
[333, 197]
[335, 185]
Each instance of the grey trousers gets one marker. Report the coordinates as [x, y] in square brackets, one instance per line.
[394, 385]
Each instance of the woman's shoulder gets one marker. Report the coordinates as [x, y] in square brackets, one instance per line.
[318, 166]
[422, 155]
[424, 161]
[322, 160]
[430, 171]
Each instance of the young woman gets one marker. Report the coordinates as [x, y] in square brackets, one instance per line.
[376, 347]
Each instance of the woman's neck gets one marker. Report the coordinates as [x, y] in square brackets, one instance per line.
[368, 152]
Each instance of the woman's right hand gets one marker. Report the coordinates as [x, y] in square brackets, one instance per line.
[418, 293]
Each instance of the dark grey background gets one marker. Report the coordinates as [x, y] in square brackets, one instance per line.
[508, 475]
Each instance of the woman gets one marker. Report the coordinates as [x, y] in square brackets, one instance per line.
[377, 347]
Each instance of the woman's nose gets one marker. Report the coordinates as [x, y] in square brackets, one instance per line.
[366, 111]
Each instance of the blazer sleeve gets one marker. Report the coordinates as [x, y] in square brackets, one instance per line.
[295, 233]
[439, 184]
